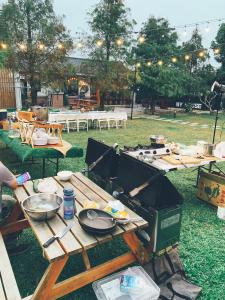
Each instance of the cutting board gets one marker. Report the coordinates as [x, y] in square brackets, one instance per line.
[171, 159]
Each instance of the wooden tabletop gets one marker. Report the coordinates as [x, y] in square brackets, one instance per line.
[77, 239]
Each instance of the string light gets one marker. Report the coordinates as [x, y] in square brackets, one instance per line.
[201, 54]
[22, 47]
[99, 43]
[149, 63]
[41, 46]
[187, 57]
[79, 45]
[174, 60]
[160, 62]
[4, 46]
[216, 50]
[60, 46]
[138, 65]
[141, 39]
[119, 42]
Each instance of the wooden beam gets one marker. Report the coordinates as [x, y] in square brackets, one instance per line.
[136, 247]
[14, 227]
[48, 280]
[72, 284]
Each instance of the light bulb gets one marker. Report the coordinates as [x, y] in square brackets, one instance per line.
[138, 65]
[4, 46]
[216, 50]
[119, 42]
[160, 62]
[187, 57]
[60, 46]
[22, 47]
[149, 63]
[174, 59]
[201, 54]
[79, 45]
[99, 43]
[41, 46]
[141, 39]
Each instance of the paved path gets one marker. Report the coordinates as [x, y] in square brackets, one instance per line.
[181, 122]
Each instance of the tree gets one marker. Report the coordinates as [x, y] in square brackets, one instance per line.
[111, 30]
[158, 75]
[219, 44]
[37, 40]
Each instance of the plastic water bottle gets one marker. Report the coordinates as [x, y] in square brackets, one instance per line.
[69, 203]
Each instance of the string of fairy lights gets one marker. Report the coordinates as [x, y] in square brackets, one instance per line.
[140, 39]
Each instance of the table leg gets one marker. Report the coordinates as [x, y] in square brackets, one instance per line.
[86, 260]
[44, 288]
[136, 247]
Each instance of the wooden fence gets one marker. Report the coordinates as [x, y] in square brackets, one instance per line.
[7, 89]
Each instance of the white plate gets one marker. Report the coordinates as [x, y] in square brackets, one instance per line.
[47, 186]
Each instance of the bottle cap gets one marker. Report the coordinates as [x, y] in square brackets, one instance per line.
[68, 191]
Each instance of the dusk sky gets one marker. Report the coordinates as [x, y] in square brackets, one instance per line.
[178, 12]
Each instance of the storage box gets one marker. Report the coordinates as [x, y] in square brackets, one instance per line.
[108, 288]
[211, 188]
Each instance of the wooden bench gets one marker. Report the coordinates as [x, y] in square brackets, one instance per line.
[8, 286]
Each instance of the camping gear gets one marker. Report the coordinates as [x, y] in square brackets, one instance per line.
[155, 198]
[59, 235]
[168, 273]
[158, 139]
[131, 284]
[42, 207]
[211, 188]
[97, 226]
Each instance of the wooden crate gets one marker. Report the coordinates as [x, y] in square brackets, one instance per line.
[211, 188]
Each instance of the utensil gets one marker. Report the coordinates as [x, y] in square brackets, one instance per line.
[92, 215]
[42, 207]
[59, 235]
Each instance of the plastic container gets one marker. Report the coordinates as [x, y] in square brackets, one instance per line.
[109, 288]
[221, 213]
[69, 203]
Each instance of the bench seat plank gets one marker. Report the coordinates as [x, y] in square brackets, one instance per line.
[7, 276]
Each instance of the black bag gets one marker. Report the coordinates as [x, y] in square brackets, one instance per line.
[168, 272]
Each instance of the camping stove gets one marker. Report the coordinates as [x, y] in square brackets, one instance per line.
[147, 152]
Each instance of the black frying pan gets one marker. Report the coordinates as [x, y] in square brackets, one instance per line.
[96, 226]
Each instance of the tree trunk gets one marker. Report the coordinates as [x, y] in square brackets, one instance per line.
[152, 103]
[33, 92]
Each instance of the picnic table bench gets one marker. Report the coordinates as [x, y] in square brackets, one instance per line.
[75, 241]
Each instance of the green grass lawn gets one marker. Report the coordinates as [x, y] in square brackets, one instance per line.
[202, 244]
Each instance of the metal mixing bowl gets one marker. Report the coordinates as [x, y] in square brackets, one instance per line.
[42, 207]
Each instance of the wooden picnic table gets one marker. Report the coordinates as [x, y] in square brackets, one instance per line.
[76, 240]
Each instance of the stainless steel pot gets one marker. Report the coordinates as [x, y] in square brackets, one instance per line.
[42, 207]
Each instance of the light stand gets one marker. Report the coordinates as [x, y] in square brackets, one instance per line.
[217, 116]
[220, 89]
